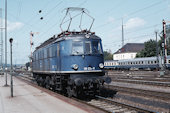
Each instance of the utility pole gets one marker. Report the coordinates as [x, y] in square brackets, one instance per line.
[6, 43]
[122, 34]
[156, 32]
[1, 42]
[11, 40]
[164, 45]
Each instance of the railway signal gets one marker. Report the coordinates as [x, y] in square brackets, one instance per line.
[31, 44]
[164, 45]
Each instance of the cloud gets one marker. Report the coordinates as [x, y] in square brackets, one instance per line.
[11, 26]
[134, 23]
[169, 7]
[110, 20]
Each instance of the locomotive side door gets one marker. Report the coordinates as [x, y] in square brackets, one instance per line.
[58, 57]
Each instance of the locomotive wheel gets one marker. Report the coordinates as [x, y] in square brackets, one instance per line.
[41, 81]
[47, 82]
[69, 91]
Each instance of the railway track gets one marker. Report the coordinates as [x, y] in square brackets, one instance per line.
[147, 82]
[116, 107]
[142, 92]
[100, 103]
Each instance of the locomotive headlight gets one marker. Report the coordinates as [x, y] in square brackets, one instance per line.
[75, 66]
[101, 65]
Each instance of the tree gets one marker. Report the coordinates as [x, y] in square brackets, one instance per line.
[108, 56]
[149, 50]
[150, 46]
[27, 65]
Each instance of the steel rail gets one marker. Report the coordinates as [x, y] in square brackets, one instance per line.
[131, 107]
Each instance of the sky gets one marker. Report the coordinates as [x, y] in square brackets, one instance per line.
[141, 18]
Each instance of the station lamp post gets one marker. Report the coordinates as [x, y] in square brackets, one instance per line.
[11, 40]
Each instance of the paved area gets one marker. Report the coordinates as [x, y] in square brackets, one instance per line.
[28, 99]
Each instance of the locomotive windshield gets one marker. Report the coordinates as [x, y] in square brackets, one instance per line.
[96, 48]
[90, 47]
[77, 47]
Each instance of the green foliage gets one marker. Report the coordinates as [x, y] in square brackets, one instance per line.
[149, 50]
[108, 56]
[150, 46]
[27, 65]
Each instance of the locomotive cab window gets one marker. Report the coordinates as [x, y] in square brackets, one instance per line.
[87, 47]
[96, 47]
[77, 48]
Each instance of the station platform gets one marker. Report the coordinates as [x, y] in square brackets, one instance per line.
[28, 99]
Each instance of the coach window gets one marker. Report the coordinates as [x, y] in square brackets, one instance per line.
[54, 53]
[42, 54]
[38, 55]
[50, 52]
[88, 47]
[77, 48]
[45, 53]
[169, 61]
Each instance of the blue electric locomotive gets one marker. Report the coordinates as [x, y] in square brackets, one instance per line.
[71, 62]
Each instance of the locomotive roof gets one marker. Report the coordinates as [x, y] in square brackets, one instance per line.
[67, 35]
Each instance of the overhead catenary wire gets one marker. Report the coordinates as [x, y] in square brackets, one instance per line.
[26, 24]
[135, 37]
[146, 16]
[82, 3]
[19, 9]
[132, 13]
[145, 28]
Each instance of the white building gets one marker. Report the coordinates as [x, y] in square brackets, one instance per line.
[128, 51]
